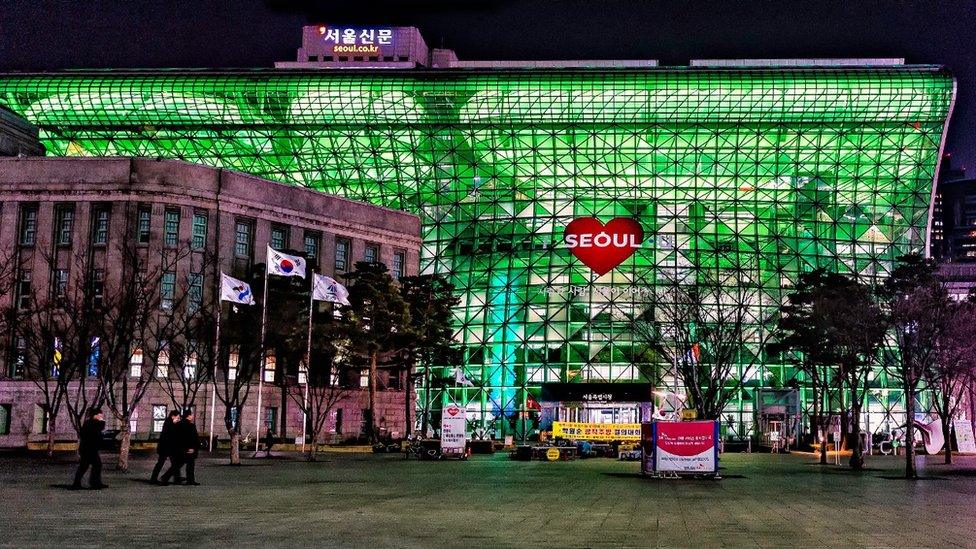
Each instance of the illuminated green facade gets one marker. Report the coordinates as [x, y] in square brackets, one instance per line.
[769, 172]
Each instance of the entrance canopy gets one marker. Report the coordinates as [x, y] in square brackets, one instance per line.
[596, 392]
[585, 406]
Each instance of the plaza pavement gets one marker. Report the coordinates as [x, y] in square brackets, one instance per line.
[349, 500]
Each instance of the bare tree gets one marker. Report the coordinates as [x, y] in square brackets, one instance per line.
[188, 329]
[58, 341]
[79, 323]
[8, 294]
[140, 324]
[125, 375]
[712, 330]
[319, 385]
[34, 356]
[918, 311]
[952, 372]
[239, 361]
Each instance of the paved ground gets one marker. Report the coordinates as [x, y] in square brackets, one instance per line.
[384, 501]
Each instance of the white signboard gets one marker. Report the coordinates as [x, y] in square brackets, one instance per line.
[685, 446]
[453, 430]
[964, 436]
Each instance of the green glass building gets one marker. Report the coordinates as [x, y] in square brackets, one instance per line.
[762, 171]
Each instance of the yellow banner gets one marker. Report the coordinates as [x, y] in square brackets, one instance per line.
[596, 431]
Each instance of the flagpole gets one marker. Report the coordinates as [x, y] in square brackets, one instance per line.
[213, 375]
[308, 358]
[264, 315]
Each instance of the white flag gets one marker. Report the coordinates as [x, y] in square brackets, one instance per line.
[462, 379]
[325, 288]
[235, 291]
[285, 265]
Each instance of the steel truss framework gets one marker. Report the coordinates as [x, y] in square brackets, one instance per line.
[767, 173]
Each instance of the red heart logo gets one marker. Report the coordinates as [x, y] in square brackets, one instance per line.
[453, 411]
[603, 247]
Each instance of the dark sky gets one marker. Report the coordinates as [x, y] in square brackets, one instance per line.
[38, 34]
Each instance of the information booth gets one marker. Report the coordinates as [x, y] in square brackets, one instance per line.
[599, 403]
[599, 416]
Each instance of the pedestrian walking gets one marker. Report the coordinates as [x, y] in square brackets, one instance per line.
[177, 453]
[89, 441]
[190, 444]
[166, 444]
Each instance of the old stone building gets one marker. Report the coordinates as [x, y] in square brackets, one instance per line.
[65, 220]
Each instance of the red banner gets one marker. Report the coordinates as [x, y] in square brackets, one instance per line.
[684, 446]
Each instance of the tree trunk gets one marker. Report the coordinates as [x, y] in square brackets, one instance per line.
[426, 407]
[828, 417]
[124, 445]
[823, 424]
[845, 427]
[817, 428]
[910, 435]
[407, 426]
[283, 419]
[313, 449]
[947, 435]
[50, 435]
[857, 456]
[235, 447]
[972, 405]
[372, 398]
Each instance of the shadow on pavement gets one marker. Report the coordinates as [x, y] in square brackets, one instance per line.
[959, 472]
[902, 477]
[638, 475]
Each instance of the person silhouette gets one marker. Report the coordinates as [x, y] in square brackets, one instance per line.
[89, 443]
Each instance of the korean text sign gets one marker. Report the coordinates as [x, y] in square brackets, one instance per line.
[596, 431]
[685, 446]
[453, 430]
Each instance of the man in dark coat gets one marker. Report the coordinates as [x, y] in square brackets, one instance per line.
[190, 439]
[166, 444]
[178, 451]
[89, 442]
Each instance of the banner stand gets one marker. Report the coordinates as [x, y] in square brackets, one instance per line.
[454, 436]
[675, 449]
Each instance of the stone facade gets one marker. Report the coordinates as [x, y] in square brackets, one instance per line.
[64, 215]
[347, 420]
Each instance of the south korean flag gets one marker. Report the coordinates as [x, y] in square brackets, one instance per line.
[282, 264]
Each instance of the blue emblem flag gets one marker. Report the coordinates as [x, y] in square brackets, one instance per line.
[235, 291]
[326, 288]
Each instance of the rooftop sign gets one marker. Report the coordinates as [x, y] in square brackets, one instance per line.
[356, 40]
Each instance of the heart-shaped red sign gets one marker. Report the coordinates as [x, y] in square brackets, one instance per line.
[603, 247]
[453, 411]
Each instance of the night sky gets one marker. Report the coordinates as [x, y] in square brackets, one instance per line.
[42, 35]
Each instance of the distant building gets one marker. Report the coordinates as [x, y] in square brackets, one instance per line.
[66, 219]
[959, 278]
[950, 239]
[18, 137]
[957, 202]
